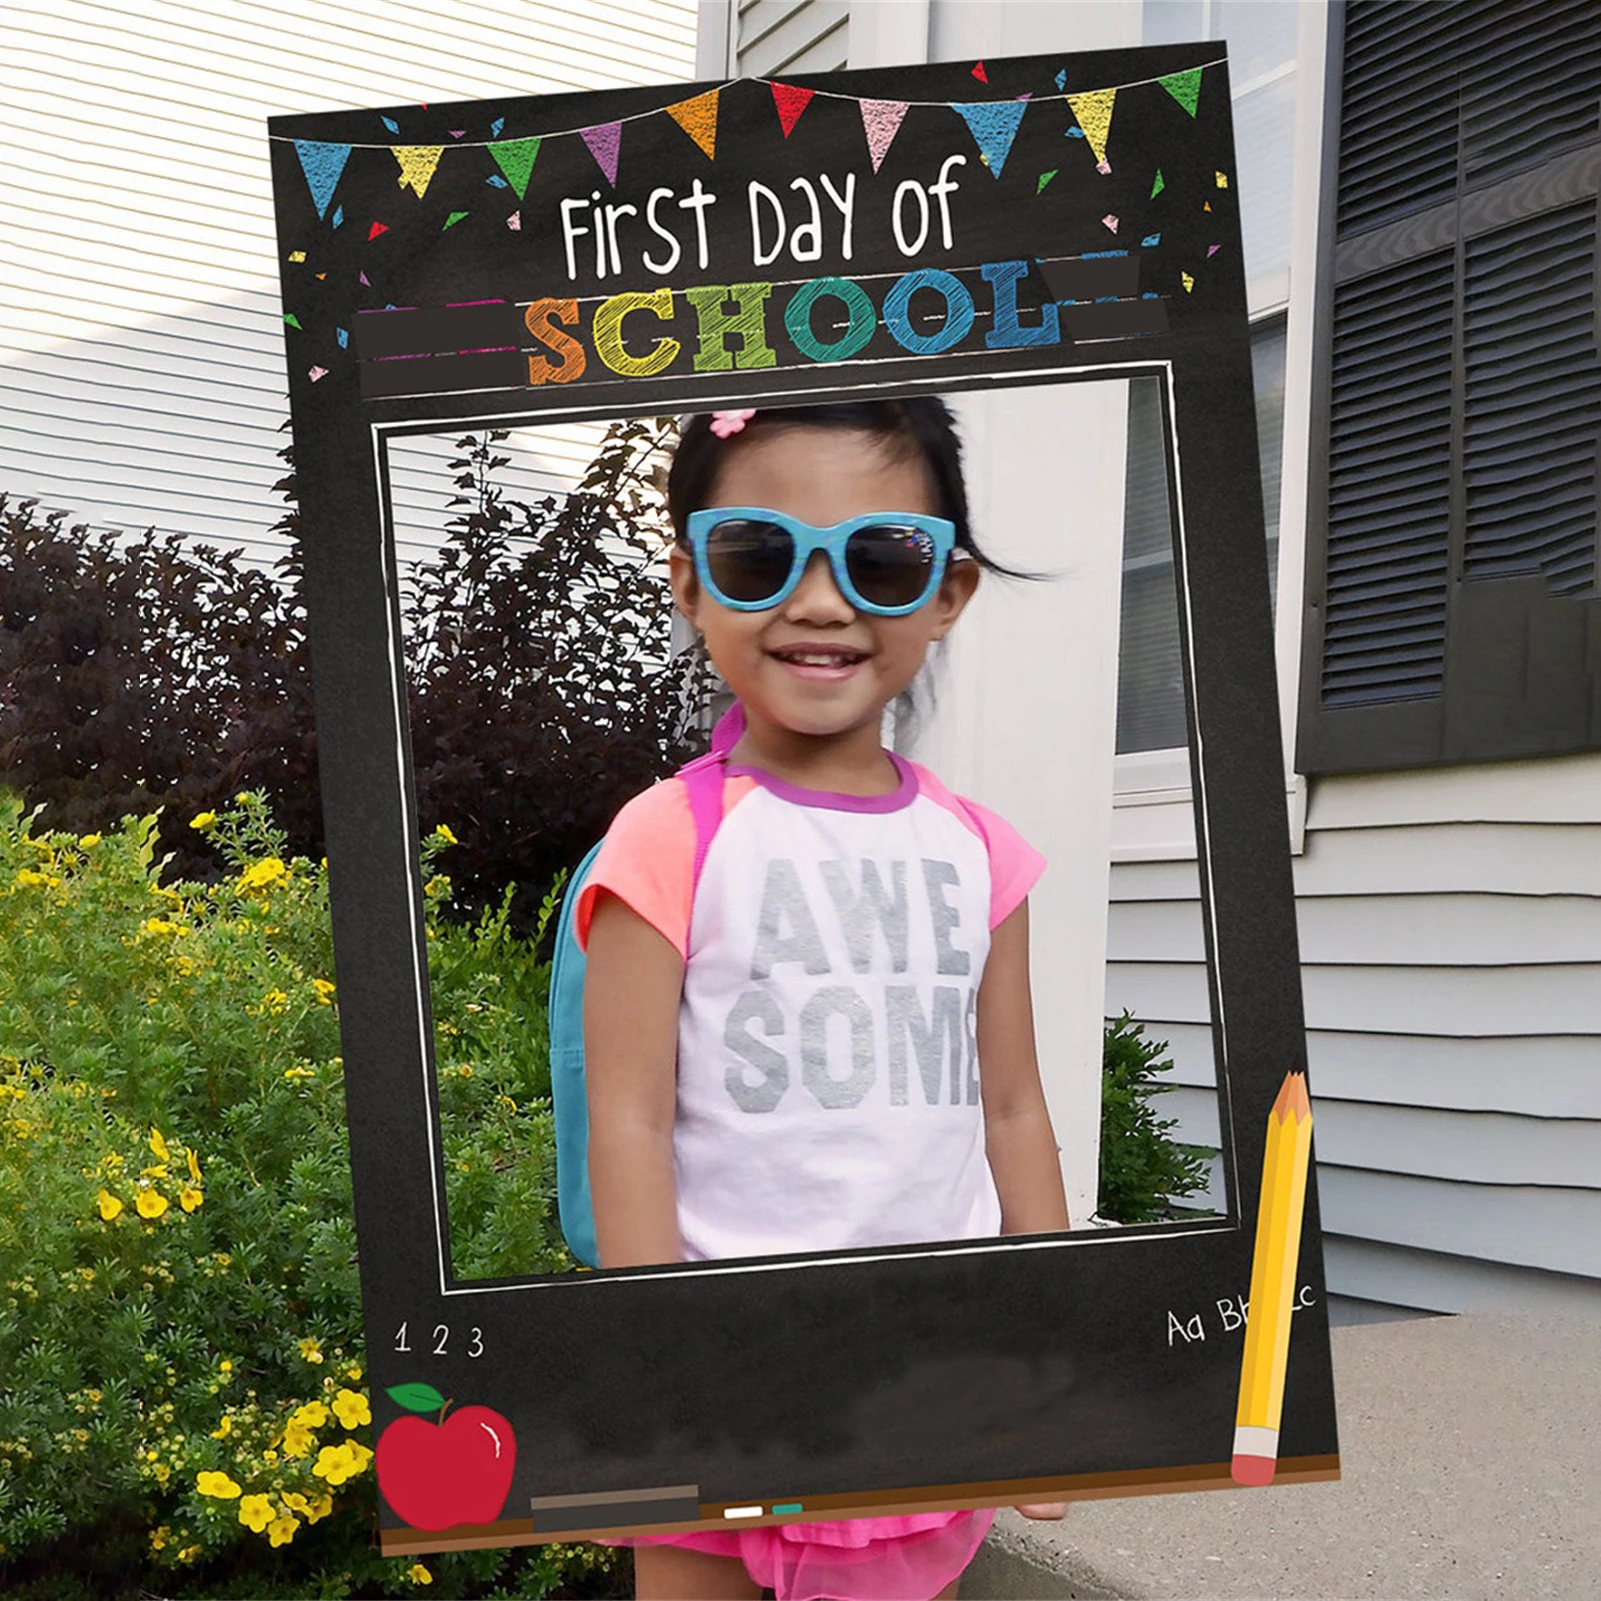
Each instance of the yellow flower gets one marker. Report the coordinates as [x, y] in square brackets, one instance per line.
[150, 1203]
[159, 1171]
[218, 1485]
[418, 1574]
[311, 1348]
[352, 1409]
[88, 841]
[160, 925]
[319, 1509]
[275, 1001]
[260, 874]
[282, 1529]
[204, 820]
[110, 1206]
[223, 1429]
[189, 1197]
[190, 1553]
[336, 1463]
[298, 1439]
[255, 1512]
[353, 1374]
[225, 1366]
[299, 1072]
[194, 1166]
[313, 1414]
[159, 1146]
[325, 991]
[443, 832]
[158, 1537]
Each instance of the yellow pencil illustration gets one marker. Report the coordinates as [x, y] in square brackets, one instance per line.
[1278, 1245]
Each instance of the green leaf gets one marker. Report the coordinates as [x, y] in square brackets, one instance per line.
[416, 1397]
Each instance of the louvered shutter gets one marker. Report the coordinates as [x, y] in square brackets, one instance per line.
[1452, 606]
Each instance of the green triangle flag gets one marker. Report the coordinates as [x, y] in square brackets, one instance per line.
[1045, 178]
[1185, 87]
[515, 158]
[1159, 185]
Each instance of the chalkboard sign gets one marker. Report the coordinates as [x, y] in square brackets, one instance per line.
[760, 243]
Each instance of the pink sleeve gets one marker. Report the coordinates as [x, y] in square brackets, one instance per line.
[646, 860]
[1015, 866]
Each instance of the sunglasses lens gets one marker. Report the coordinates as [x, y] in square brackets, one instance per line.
[890, 564]
[749, 561]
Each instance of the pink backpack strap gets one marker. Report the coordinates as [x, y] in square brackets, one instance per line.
[703, 778]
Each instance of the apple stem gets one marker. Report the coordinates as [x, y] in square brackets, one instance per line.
[445, 1408]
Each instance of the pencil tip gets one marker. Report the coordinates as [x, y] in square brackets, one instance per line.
[1292, 1099]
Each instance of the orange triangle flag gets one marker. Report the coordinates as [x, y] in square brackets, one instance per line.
[698, 118]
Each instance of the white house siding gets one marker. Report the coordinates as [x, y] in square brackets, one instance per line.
[140, 327]
[793, 36]
[1450, 933]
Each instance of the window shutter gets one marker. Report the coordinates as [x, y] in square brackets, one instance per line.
[1452, 608]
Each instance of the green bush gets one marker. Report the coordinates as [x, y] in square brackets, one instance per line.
[1144, 1171]
[182, 1410]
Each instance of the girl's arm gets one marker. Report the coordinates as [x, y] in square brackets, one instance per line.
[1017, 1127]
[632, 986]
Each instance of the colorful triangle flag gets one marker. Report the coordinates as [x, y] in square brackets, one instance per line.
[1094, 113]
[453, 219]
[322, 165]
[515, 158]
[881, 121]
[1045, 178]
[790, 102]
[1185, 87]
[980, 73]
[417, 166]
[605, 140]
[1158, 185]
[994, 125]
[698, 118]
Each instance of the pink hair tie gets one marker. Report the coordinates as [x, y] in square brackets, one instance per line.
[725, 424]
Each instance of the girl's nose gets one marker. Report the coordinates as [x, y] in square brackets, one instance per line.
[817, 598]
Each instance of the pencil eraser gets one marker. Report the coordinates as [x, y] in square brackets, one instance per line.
[1253, 1469]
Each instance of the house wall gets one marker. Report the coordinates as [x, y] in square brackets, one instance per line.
[141, 334]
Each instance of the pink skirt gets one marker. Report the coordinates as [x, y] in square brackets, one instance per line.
[849, 1559]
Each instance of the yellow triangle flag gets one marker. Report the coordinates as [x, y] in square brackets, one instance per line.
[417, 164]
[1094, 113]
[698, 118]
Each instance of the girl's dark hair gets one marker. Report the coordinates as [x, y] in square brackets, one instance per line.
[918, 426]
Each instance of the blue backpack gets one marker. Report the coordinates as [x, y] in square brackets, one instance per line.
[703, 778]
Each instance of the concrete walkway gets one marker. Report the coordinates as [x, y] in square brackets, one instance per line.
[1470, 1449]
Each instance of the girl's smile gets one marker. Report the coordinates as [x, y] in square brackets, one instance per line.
[814, 674]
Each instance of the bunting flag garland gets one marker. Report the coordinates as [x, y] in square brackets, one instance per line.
[322, 165]
[1094, 113]
[605, 141]
[1185, 87]
[881, 121]
[698, 118]
[790, 102]
[993, 125]
[418, 164]
[515, 158]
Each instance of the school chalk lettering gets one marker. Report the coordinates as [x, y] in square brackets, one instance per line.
[1232, 1313]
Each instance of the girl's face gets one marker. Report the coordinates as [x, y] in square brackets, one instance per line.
[813, 664]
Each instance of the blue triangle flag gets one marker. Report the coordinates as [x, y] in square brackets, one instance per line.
[994, 125]
[322, 165]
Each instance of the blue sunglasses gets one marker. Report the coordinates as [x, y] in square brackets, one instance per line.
[887, 563]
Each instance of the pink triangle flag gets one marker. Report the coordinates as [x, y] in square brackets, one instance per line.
[605, 140]
[881, 121]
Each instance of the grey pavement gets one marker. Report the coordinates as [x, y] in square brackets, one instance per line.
[1470, 1460]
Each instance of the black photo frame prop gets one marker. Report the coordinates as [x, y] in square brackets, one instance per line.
[944, 227]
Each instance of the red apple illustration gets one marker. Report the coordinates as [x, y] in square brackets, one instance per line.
[456, 1470]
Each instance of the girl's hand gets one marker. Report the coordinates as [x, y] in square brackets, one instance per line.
[1044, 1511]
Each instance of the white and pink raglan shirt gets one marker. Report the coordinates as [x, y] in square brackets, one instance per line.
[828, 1073]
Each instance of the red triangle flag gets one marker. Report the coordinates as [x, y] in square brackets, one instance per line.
[980, 73]
[790, 101]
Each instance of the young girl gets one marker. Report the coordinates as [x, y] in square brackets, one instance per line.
[783, 1054]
